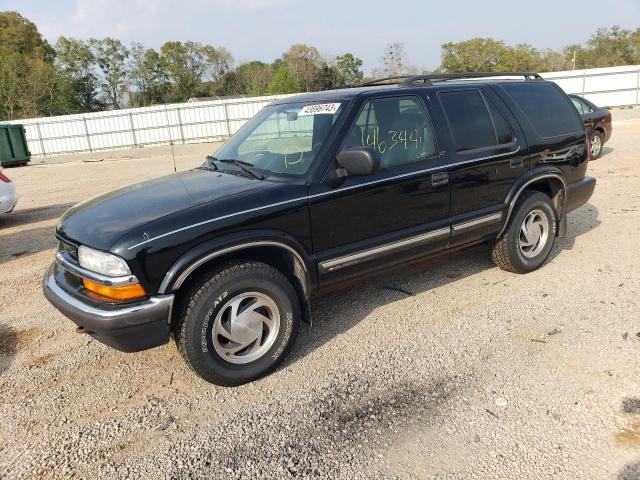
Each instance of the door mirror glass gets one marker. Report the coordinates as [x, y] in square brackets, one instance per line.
[358, 161]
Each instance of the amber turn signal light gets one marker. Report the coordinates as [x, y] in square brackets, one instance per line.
[105, 292]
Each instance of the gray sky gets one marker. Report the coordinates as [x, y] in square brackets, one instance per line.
[263, 29]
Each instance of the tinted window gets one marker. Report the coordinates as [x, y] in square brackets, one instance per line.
[546, 107]
[397, 127]
[578, 104]
[581, 106]
[503, 130]
[472, 124]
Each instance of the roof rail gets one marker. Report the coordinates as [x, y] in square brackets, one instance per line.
[426, 79]
[382, 81]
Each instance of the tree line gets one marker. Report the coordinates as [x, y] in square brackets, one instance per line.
[76, 76]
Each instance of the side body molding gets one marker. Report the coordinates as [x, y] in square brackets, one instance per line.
[202, 254]
[560, 199]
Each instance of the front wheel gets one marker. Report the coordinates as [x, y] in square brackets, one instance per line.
[529, 236]
[239, 324]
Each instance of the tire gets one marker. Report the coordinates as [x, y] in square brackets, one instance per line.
[256, 292]
[511, 252]
[596, 142]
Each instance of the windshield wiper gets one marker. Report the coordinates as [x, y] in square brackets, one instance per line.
[241, 165]
[211, 161]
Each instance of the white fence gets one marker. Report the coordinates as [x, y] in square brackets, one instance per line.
[194, 122]
[607, 87]
[218, 119]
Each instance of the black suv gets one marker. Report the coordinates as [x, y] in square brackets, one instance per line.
[315, 191]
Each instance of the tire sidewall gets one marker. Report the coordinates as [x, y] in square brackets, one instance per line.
[199, 344]
[599, 135]
[535, 201]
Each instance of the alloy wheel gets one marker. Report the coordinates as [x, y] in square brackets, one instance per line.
[596, 145]
[246, 327]
[533, 233]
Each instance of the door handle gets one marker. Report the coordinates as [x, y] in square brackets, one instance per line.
[438, 179]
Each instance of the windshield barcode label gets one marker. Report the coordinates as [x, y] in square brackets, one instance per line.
[319, 108]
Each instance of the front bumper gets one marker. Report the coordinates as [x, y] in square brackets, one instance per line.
[8, 200]
[128, 327]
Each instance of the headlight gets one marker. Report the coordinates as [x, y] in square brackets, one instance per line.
[101, 262]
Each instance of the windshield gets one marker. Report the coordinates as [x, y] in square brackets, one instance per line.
[283, 139]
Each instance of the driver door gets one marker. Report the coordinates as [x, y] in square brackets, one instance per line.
[364, 223]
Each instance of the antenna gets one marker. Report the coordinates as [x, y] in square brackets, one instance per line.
[173, 155]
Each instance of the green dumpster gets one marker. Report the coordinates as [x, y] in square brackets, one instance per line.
[13, 146]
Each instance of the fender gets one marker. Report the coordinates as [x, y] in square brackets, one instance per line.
[194, 258]
[533, 176]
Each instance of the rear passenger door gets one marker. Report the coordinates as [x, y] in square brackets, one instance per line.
[488, 153]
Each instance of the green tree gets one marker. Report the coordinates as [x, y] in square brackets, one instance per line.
[635, 44]
[520, 57]
[254, 78]
[11, 67]
[77, 63]
[19, 35]
[147, 76]
[552, 61]
[349, 69]
[283, 81]
[218, 62]
[30, 87]
[186, 64]
[328, 77]
[304, 63]
[610, 46]
[30, 84]
[475, 55]
[111, 57]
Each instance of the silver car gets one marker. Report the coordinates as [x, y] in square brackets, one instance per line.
[8, 196]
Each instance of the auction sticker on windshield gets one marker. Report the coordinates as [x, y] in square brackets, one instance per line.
[319, 108]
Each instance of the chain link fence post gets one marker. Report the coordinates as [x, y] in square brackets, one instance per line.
[44, 153]
[86, 133]
[133, 130]
[226, 119]
[638, 89]
[180, 125]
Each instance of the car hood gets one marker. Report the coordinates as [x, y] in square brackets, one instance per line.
[100, 221]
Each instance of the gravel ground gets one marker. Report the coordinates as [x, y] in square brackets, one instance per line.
[451, 370]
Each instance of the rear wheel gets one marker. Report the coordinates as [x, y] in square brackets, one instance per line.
[529, 236]
[595, 144]
[238, 324]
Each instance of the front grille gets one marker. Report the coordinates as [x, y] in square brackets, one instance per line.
[69, 248]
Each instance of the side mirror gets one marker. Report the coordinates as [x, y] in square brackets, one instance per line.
[358, 161]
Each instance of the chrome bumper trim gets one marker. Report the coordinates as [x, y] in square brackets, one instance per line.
[94, 318]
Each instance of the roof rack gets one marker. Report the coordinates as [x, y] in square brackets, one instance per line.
[385, 80]
[426, 79]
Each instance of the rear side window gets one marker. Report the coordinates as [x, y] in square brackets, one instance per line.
[546, 107]
[503, 130]
[474, 120]
[580, 105]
